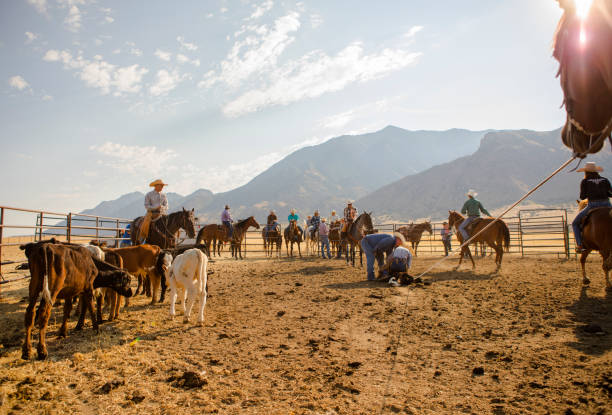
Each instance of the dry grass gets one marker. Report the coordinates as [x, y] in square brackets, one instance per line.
[311, 336]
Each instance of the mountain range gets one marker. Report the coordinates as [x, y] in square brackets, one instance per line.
[396, 173]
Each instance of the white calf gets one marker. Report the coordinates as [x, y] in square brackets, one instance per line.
[188, 270]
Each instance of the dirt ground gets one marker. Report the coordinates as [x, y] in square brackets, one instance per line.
[311, 336]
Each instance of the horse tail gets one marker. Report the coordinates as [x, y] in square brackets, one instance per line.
[200, 236]
[506, 232]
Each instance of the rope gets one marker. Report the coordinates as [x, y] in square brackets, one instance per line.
[396, 345]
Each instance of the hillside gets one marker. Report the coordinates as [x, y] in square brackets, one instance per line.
[505, 166]
[322, 176]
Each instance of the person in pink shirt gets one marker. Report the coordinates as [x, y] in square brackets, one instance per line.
[324, 238]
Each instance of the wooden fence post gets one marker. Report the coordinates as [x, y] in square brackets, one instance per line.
[69, 227]
[1, 229]
[521, 235]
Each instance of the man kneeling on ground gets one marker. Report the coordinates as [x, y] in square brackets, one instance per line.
[398, 262]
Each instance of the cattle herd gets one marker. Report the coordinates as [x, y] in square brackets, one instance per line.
[66, 271]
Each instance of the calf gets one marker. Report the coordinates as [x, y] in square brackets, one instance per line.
[64, 271]
[146, 259]
[188, 270]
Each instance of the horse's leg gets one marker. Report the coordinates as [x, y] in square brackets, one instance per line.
[470, 256]
[299, 249]
[583, 258]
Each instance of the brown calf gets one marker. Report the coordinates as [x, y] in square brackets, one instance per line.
[142, 260]
[64, 271]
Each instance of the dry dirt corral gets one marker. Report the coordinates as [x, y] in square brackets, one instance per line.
[311, 336]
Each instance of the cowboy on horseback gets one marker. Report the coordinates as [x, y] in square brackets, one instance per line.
[315, 221]
[271, 223]
[156, 205]
[350, 214]
[473, 208]
[597, 190]
[226, 219]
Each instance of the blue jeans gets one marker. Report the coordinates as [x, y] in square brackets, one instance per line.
[325, 243]
[370, 258]
[230, 229]
[576, 223]
[464, 225]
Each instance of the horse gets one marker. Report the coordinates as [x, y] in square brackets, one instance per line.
[360, 227]
[497, 236]
[240, 229]
[313, 241]
[163, 230]
[293, 234]
[582, 48]
[334, 237]
[413, 233]
[597, 236]
[272, 237]
[215, 234]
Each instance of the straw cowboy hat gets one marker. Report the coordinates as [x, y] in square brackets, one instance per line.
[591, 167]
[323, 219]
[472, 193]
[156, 182]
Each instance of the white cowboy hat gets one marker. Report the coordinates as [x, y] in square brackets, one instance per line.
[591, 167]
[472, 193]
[400, 237]
[156, 182]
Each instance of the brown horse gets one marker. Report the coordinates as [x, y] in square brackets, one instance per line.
[497, 236]
[413, 233]
[360, 227]
[215, 234]
[582, 47]
[162, 231]
[334, 237]
[597, 236]
[240, 229]
[293, 234]
[272, 238]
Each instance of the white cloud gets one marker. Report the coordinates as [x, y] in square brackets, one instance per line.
[316, 20]
[186, 45]
[47, 98]
[128, 79]
[109, 19]
[40, 5]
[30, 37]
[413, 31]
[135, 52]
[338, 120]
[261, 52]
[73, 20]
[166, 82]
[223, 10]
[165, 56]
[100, 74]
[184, 59]
[134, 158]
[316, 74]
[261, 9]
[18, 82]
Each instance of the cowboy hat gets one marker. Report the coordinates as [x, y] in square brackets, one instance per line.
[227, 206]
[472, 193]
[400, 237]
[156, 182]
[591, 167]
[323, 219]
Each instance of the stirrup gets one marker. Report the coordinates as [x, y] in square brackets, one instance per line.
[580, 250]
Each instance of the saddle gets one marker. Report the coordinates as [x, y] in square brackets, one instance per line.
[270, 227]
[585, 220]
[470, 228]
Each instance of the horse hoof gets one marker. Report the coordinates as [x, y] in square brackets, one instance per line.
[185, 320]
[586, 281]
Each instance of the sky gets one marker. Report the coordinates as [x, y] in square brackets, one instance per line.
[98, 98]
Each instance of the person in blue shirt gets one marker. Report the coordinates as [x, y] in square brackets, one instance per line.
[375, 246]
[294, 217]
[127, 240]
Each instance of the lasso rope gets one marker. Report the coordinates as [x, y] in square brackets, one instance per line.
[395, 346]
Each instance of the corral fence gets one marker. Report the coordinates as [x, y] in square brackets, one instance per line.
[532, 232]
[19, 226]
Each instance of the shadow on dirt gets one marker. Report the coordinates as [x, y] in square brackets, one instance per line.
[594, 315]
[357, 285]
[459, 275]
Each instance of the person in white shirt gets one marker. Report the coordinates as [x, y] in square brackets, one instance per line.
[156, 204]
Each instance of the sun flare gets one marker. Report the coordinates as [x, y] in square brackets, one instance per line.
[582, 7]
